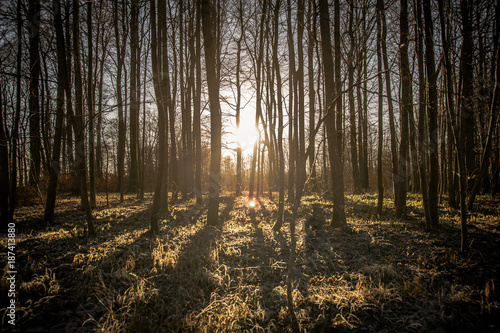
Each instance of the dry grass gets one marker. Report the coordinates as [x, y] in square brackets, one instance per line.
[381, 275]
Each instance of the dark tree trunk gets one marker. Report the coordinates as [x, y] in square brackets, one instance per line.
[291, 95]
[338, 214]
[162, 103]
[432, 115]
[380, 184]
[197, 110]
[55, 167]
[134, 102]
[258, 111]
[301, 157]
[78, 121]
[215, 112]
[450, 99]
[120, 54]
[405, 109]
[34, 107]
[311, 34]
[90, 105]
[419, 50]
[352, 107]
[392, 128]
[15, 130]
[281, 181]
[467, 121]
[4, 169]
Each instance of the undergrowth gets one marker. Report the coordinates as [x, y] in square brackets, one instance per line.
[382, 274]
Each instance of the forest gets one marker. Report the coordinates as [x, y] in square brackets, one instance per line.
[256, 166]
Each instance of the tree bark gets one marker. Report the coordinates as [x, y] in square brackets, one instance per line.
[215, 113]
[338, 214]
[90, 105]
[405, 109]
[78, 122]
[432, 115]
[419, 50]
[55, 167]
[352, 107]
[134, 102]
[34, 107]
[380, 184]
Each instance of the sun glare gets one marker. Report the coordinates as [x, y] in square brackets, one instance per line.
[246, 136]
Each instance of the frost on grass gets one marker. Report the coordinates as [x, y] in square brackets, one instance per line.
[380, 275]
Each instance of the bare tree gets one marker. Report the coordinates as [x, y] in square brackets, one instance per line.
[215, 113]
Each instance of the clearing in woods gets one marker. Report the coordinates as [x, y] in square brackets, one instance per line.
[380, 275]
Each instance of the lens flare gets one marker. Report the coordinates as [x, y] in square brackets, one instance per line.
[251, 204]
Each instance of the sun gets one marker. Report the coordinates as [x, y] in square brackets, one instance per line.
[246, 136]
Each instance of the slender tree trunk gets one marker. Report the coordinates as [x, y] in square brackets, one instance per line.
[291, 71]
[405, 109]
[120, 51]
[238, 100]
[258, 111]
[281, 181]
[197, 109]
[311, 34]
[4, 169]
[450, 101]
[156, 56]
[392, 128]
[352, 107]
[75, 187]
[215, 112]
[34, 108]
[432, 115]
[90, 105]
[55, 167]
[467, 115]
[364, 167]
[419, 50]
[134, 112]
[380, 201]
[78, 121]
[15, 130]
[338, 214]
[301, 158]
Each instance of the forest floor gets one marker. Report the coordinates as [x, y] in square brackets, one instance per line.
[379, 275]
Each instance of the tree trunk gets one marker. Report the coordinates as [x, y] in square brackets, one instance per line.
[432, 115]
[450, 98]
[281, 181]
[301, 158]
[90, 105]
[311, 34]
[4, 170]
[419, 50]
[338, 214]
[55, 167]
[197, 109]
[34, 108]
[215, 112]
[392, 128]
[120, 54]
[78, 121]
[238, 100]
[291, 71]
[380, 201]
[258, 111]
[156, 60]
[134, 102]
[352, 108]
[15, 130]
[405, 109]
